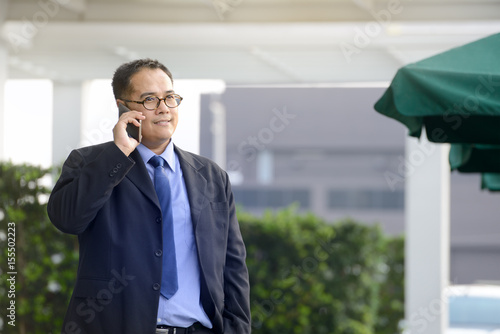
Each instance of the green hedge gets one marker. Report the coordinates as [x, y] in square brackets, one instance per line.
[306, 276]
[45, 259]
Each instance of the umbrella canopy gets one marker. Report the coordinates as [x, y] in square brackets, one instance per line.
[475, 158]
[490, 181]
[455, 97]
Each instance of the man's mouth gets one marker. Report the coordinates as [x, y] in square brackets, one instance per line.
[162, 121]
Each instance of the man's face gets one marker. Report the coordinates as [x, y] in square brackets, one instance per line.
[160, 124]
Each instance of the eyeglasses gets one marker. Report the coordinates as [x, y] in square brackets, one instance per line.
[153, 102]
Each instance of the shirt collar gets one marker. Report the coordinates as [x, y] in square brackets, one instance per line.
[168, 154]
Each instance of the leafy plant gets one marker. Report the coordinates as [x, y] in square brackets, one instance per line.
[45, 259]
[306, 275]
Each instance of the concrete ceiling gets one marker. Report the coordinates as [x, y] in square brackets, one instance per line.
[239, 41]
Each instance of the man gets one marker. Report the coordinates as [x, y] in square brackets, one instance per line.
[151, 260]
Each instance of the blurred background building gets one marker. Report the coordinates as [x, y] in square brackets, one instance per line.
[280, 93]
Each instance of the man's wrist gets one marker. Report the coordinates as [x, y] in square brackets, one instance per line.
[125, 150]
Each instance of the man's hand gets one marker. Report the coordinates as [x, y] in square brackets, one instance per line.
[125, 143]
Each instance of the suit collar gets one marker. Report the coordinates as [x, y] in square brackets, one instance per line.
[189, 159]
[168, 155]
[196, 184]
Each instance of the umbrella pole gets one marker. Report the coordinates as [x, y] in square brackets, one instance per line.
[427, 247]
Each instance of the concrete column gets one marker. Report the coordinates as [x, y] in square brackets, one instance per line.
[187, 134]
[427, 215]
[218, 128]
[3, 78]
[66, 120]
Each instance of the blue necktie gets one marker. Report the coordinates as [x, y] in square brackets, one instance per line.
[169, 284]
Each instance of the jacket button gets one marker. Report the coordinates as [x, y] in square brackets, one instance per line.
[158, 220]
[119, 165]
[115, 170]
[158, 252]
[156, 286]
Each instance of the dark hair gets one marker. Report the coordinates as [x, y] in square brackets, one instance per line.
[121, 78]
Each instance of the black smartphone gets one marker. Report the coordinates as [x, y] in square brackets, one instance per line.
[132, 130]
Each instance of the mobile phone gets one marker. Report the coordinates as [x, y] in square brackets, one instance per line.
[132, 130]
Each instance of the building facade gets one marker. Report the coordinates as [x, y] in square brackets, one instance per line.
[327, 150]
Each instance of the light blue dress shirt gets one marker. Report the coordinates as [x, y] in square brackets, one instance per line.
[184, 308]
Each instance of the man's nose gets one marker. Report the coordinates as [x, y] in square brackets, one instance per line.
[162, 108]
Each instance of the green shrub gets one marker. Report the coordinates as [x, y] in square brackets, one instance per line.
[306, 276]
[391, 294]
[45, 259]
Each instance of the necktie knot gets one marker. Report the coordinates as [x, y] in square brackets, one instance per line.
[157, 161]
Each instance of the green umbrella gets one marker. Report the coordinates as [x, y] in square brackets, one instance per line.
[476, 158]
[455, 97]
[490, 181]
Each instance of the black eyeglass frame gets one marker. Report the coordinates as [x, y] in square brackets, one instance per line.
[176, 97]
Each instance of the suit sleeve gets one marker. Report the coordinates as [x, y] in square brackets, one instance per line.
[86, 183]
[236, 315]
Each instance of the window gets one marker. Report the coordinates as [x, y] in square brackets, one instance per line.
[271, 198]
[474, 311]
[366, 199]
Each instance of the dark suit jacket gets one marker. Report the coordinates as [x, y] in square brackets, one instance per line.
[109, 201]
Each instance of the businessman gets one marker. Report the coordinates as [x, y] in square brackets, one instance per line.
[160, 246]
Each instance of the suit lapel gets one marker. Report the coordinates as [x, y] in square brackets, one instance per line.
[196, 187]
[196, 184]
[140, 177]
